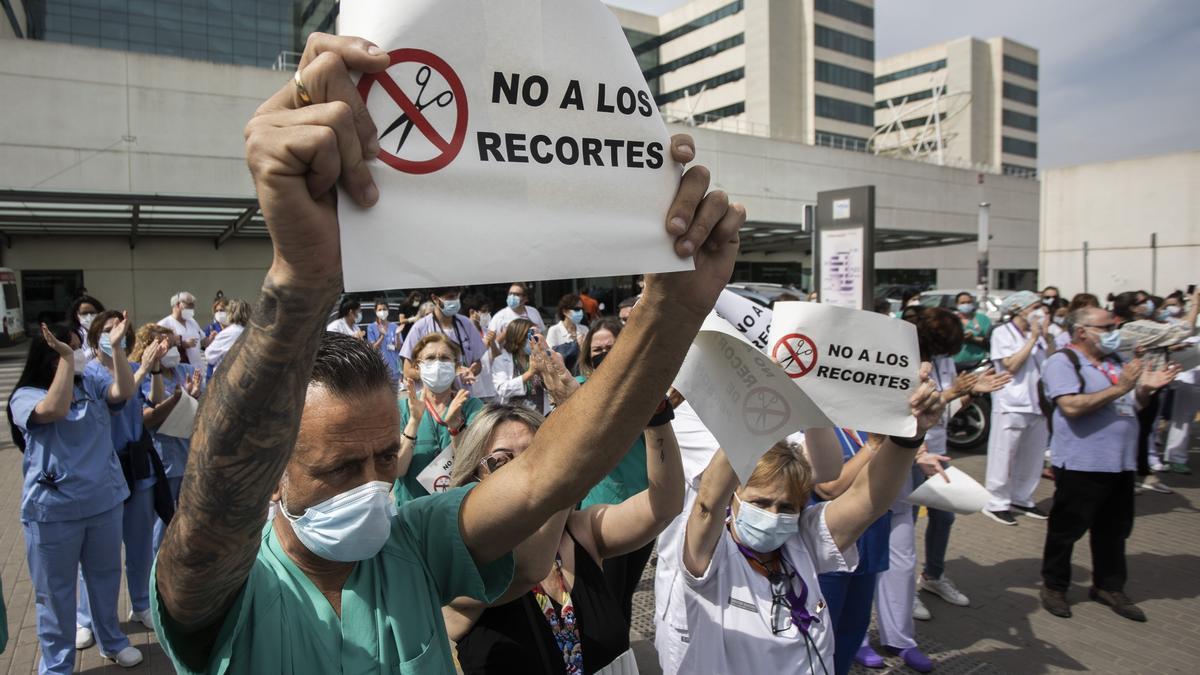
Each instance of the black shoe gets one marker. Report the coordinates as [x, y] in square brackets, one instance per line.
[1031, 511]
[1002, 517]
[1120, 603]
[1055, 602]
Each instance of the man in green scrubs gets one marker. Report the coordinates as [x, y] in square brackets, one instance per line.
[341, 581]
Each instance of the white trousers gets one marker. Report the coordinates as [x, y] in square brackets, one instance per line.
[896, 587]
[1183, 411]
[1016, 448]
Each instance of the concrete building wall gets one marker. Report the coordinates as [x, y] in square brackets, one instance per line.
[6, 28]
[1115, 207]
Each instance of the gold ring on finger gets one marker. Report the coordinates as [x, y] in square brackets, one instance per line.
[301, 90]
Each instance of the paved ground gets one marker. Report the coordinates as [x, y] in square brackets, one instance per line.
[1004, 631]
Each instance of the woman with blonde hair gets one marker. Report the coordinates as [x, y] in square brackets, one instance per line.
[559, 613]
[176, 379]
[751, 555]
[513, 373]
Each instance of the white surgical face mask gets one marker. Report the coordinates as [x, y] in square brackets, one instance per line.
[451, 307]
[763, 531]
[85, 320]
[222, 318]
[188, 314]
[80, 359]
[1037, 316]
[170, 360]
[348, 527]
[437, 375]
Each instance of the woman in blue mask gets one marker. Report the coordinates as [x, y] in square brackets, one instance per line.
[561, 613]
[133, 453]
[566, 337]
[71, 499]
[751, 553]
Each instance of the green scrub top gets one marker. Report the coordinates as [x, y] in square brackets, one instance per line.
[970, 353]
[432, 438]
[626, 479]
[391, 618]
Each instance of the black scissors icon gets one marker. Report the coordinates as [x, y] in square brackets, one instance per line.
[441, 100]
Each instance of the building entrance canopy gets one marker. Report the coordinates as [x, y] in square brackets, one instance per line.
[760, 237]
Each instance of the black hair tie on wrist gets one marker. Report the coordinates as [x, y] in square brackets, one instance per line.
[908, 443]
[664, 413]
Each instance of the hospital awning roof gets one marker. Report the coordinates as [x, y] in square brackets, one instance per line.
[779, 238]
[56, 213]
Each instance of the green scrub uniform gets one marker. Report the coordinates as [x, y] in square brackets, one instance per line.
[391, 618]
[432, 438]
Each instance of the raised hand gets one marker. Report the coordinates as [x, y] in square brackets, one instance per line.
[965, 383]
[116, 334]
[61, 348]
[298, 152]
[153, 353]
[416, 407]
[931, 464]
[1153, 380]
[926, 403]
[194, 383]
[706, 227]
[990, 381]
[1131, 373]
[454, 415]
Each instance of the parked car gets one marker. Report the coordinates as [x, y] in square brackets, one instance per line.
[944, 297]
[763, 293]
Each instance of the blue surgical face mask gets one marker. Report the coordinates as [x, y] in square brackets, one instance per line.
[348, 527]
[451, 307]
[966, 308]
[513, 301]
[528, 350]
[1149, 308]
[1110, 341]
[577, 316]
[106, 345]
[761, 530]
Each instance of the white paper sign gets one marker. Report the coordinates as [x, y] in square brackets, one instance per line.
[842, 267]
[962, 494]
[744, 399]
[750, 318]
[435, 477]
[522, 129]
[182, 420]
[859, 368]
[841, 209]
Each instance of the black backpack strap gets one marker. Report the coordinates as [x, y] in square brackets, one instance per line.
[1074, 359]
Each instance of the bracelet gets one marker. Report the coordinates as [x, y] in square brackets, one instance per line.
[455, 432]
[411, 438]
[156, 372]
[908, 443]
[664, 413]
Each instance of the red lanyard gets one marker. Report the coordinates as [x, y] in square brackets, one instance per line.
[1105, 366]
[436, 417]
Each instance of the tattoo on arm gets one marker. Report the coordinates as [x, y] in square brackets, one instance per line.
[244, 437]
[662, 453]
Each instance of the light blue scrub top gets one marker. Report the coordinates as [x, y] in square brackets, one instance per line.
[391, 619]
[389, 349]
[127, 424]
[173, 451]
[78, 450]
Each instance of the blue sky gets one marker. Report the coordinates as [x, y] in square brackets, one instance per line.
[1118, 78]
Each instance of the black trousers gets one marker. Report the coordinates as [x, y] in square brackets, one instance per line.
[1095, 502]
[623, 573]
[1146, 418]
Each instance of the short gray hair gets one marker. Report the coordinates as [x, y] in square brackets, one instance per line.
[1077, 319]
[182, 296]
[476, 442]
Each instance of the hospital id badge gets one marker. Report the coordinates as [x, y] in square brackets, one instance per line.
[391, 346]
[1125, 407]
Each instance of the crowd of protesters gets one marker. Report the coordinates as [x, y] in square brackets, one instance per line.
[290, 525]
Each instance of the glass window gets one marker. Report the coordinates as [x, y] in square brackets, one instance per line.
[909, 72]
[693, 89]
[698, 55]
[718, 113]
[1020, 67]
[699, 22]
[1017, 146]
[898, 100]
[831, 73]
[1019, 171]
[837, 109]
[1020, 94]
[1019, 120]
[841, 141]
[111, 30]
[845, 43]
[850, 11]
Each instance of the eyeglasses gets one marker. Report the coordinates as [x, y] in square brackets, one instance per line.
[493, 462]
[781, 607]
[1106, 327]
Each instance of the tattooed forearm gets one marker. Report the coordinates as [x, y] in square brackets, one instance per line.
[245, 432]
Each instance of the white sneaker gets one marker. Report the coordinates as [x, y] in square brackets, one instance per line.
[920, 611]
[84, 637]
[944, 589]
[143, 617]
[126, 658]
[1158, 467]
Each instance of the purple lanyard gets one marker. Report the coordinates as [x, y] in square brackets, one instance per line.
[797, 603]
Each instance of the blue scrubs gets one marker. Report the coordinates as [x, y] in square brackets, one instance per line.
[389, 349]
[72, 517]
[850, 594]
[138, 516]
[173, 451]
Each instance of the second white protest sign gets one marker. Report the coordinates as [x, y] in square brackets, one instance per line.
[515, 137]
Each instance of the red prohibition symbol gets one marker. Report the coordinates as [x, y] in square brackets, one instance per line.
[796, 354]
[413, 112]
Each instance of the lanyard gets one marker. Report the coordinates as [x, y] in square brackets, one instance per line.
[564, 626]
[1105, 366]
[462, 348]
[798, 604]
[437, 417]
